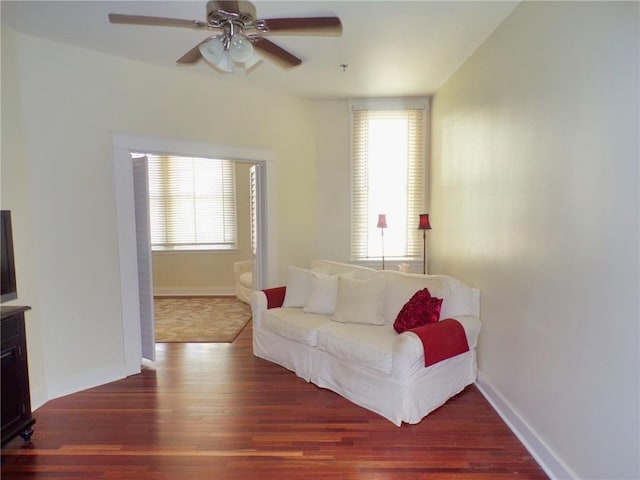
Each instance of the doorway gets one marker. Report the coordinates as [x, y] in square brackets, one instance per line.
[202, 230]
[123, 146]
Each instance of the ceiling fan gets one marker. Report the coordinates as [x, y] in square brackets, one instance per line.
[238, 33]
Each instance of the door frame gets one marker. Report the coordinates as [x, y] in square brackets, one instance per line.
[123, 145]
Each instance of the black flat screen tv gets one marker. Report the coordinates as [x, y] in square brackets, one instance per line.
[8, 287]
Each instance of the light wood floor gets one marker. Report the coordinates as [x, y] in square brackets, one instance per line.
[213, 411]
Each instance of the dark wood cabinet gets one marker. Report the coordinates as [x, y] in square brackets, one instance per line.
[16, 400]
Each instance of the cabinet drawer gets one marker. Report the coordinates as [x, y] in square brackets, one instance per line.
[11, 327]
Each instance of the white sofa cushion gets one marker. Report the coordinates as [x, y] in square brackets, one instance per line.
[360, 301]
[367, 345]
[457, 297]
[323, 294]
[298, 287]
[294, 324]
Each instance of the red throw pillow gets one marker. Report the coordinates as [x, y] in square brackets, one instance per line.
[421, 309]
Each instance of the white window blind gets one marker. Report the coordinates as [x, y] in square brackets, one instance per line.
[254, 209]
[387, 176]
[192, 203]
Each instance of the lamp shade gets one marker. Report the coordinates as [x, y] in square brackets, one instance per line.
[424, 222]
[382, 221]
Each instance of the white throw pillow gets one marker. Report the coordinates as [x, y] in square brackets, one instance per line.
[322, 297]
[402, 286]
[457, 298]
[298, 287]
[360, 301]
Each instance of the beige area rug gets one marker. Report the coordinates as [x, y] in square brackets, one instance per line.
[199, 319]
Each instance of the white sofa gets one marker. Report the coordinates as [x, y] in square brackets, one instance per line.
[370, 365]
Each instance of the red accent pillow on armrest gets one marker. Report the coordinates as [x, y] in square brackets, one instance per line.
[421, 309]
[275, 296]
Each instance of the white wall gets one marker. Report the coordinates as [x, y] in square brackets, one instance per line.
[536, 201]
[66, 102]
[15, 196]
[332, 179]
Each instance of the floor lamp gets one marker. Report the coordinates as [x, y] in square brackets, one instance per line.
[424, 225]
[382, 224]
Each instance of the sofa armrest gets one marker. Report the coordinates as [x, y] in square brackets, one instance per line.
[275, 296]
[241, 267]
[472, 327]
[258, 301]
[442, 340]
[408, 353]
[262, 300]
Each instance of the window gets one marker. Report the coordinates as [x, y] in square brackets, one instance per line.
[387, 176]
[253, 205]
[192, 203]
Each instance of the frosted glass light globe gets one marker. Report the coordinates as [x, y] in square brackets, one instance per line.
[226, 63]
[212, 50]
[240, 48]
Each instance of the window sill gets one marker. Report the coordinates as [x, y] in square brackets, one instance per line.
[388, 262]
[191, 249]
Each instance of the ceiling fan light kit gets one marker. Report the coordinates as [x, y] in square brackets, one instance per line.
[242, 34]
[240, 51]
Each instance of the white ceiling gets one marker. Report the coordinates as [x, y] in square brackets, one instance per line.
[392, 48]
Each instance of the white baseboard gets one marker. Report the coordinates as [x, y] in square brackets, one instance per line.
[195, 292]
[550, 463]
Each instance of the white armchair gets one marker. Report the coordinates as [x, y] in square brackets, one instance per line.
[244, 280]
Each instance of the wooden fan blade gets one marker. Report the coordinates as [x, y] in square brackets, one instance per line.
[309, 25]
[192, 56]
[276, 53]
[154, 21]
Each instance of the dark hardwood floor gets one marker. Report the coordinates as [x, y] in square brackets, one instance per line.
[214, 411]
